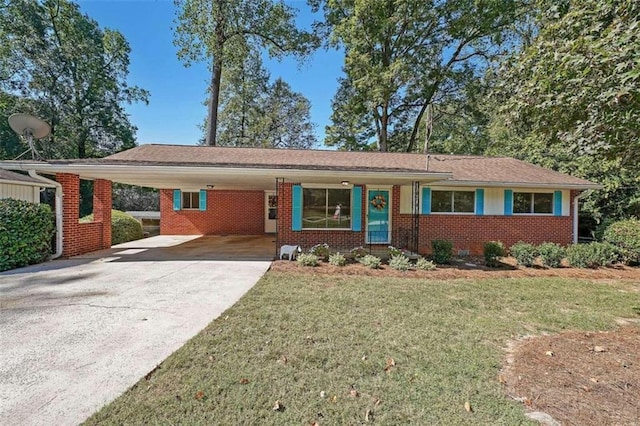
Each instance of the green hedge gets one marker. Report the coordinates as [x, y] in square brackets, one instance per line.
[25, 233]
[124, 227]
[625, 236]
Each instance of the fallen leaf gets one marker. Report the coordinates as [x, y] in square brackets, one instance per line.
[334, 399]
[354, 393]
[594, 380]
[549, 353]
[283, 359]
[467, 407]
[277, 406]
[322, 394]
[315, 424]
[502, 379]
[599, 349]
[368, 416]
[377, 402]
[199, 395]
[244, 381]
[364, 357]
[586, 388]
[527, 402]
[390, 364]
[226, 318]
[210, 358]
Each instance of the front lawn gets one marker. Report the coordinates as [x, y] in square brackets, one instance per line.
[350, 350]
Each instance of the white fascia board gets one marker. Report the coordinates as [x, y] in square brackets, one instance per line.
[23, 183]
[97, 169]
[480, 184]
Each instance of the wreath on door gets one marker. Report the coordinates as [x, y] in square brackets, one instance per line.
[379, 202]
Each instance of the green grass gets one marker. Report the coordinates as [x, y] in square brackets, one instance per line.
[447, 339]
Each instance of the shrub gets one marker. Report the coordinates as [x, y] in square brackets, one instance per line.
[124, 227]
[425, 265]
[393, 251]
[492, 251]
[625, 235]
[307, 259]
[524, 253]
[358, 252]
[371, 261]
[25, 233]
[592, 255]
[442, 250]
[551, 254]
[337, 259]
[321, 250]
[400, 263]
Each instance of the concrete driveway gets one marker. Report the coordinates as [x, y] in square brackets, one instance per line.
[75, 334]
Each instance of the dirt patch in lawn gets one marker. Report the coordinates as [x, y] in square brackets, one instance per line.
[578, 378]
[465, 268]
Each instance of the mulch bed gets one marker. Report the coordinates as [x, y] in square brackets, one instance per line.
[469, 267]
[578, 378]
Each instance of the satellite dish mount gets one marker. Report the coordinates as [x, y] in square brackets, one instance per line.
[29, 127]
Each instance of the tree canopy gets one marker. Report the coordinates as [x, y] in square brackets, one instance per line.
[222, 30]
[403, 56]
[58, 64]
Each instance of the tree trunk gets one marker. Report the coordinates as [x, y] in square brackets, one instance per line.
[214, 100]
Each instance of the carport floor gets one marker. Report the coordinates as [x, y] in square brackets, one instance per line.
[77, 333]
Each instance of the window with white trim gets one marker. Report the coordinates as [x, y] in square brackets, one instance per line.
[532, 202]
[453, 201]
[326, 208]
[190, 200]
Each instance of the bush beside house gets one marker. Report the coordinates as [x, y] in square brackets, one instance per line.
[124, 227]
[25, 233]
[625, 236]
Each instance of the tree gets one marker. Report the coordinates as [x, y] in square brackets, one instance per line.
[70, 72]
[579, 81]
[285, 120]
[401, 55]
[242, 92]
[214, 29]
[570, 100]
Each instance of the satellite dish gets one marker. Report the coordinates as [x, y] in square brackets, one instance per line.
[29, 127]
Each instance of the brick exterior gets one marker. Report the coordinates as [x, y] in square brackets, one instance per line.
[228, 212]
[468, 232]
[80, 238]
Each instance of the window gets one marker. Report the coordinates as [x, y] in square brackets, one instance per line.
[190, 200]
[532, 202]
[453, 201]
[326, 208]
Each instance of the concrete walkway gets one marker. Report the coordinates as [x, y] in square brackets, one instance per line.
[75, 334]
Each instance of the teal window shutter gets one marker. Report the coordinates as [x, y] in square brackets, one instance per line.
[426, 200]
[557, 203]
[296, 208]
[356, 208]
[203, 200]
[508, 202]
[480, 202]
[177, 199]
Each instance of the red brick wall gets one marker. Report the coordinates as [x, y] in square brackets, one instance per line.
[80, 238]
[228, 212]
[468, 232]
[336, 239]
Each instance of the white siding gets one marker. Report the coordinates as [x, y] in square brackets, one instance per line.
[406, 199]
[20, 192]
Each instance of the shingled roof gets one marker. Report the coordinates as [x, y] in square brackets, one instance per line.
[465, 169]
[6, 175]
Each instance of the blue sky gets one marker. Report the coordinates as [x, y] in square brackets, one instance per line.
[176, 106]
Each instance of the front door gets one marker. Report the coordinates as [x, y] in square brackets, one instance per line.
[270, 212]
[378, 226]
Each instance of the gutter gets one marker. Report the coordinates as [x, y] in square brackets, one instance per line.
[52, 184]
[575, 215]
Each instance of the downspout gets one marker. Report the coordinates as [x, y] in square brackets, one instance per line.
[59, 226]
[575, 215]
